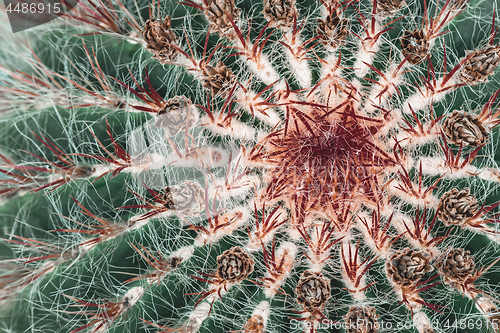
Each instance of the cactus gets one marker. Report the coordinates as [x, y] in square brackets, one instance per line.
[253, 166]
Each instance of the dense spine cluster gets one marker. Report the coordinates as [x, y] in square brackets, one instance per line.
[253, 166]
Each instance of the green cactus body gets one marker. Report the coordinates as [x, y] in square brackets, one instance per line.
[253, 166]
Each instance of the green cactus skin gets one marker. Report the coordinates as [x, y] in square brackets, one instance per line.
[258, 166]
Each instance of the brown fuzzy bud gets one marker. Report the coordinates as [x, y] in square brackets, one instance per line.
[218, 78]
[173, 115]
[462, 127]
[254, 325]
[493, 316]
[332, 29]
[415, 46]
[174, 262]
[456, 266]
[280, 13]
[234, 265]
[186, 198]
[389, 7]
[120, 104]
[457, 207]
[481, 64]
[406, 267]
[216, 11]
[313, 290]
[159, 40]
[361, 320]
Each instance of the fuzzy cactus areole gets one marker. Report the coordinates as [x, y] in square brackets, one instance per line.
[209, 166]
